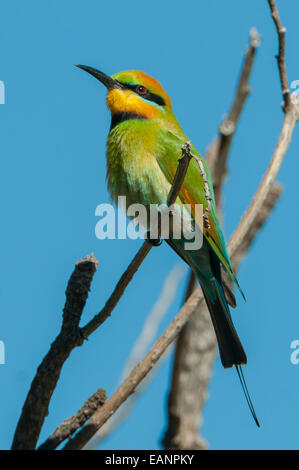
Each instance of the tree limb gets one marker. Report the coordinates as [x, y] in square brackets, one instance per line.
[218, 151]
[281, 30]
[71, 425]
[195, 354]
[35, 408]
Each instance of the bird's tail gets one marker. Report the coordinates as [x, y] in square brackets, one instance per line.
[230, 346]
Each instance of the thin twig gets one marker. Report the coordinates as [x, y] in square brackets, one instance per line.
[289, 123]
[184, 161]
[281, 31]
[218, 151]
[266, 184]
[266, 210]
[206, 222]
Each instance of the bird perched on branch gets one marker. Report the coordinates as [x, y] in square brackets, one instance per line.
[143, 148]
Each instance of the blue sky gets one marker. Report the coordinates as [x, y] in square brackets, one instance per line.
[53, 129]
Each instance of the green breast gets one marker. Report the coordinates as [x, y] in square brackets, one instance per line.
[132, 168]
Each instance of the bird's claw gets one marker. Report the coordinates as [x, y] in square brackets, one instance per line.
[153, 241]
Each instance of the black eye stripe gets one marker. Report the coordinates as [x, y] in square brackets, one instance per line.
[148, 95]
[155, 98]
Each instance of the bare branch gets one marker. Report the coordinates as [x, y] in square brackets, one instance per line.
[263, 215]
[35, 408]
[206, 222]
[218, 151]
[281, 30]
[266, 184]
[184, 161]
[71, 425]
[195, 353]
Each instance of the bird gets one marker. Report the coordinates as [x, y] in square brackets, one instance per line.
[143, 147]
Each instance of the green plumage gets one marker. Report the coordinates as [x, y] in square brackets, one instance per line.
[143, 148]
[142, 159]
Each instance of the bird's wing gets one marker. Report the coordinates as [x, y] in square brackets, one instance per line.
[193, 192]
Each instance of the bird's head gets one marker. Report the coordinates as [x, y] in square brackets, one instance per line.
[133, 92]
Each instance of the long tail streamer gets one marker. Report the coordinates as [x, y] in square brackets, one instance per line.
[246, 393]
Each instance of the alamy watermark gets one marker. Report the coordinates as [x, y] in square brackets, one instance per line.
[175, 221]
[295, 94]
[294, 357]
[2, 92]
[2, 352]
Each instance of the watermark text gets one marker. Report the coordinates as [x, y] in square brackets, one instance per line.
[175, 222]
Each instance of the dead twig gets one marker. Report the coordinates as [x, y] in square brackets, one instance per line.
[35, 408]
[71, 425]
[281, 31]
[196, 351]
[218, 151]
[206, 222]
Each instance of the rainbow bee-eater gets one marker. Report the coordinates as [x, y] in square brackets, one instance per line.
[143, 147]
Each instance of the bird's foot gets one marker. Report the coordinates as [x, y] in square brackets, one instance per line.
[153, 241]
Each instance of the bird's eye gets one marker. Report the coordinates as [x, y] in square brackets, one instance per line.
[141, 90]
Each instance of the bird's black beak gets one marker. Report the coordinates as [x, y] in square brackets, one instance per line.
[102, 77]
